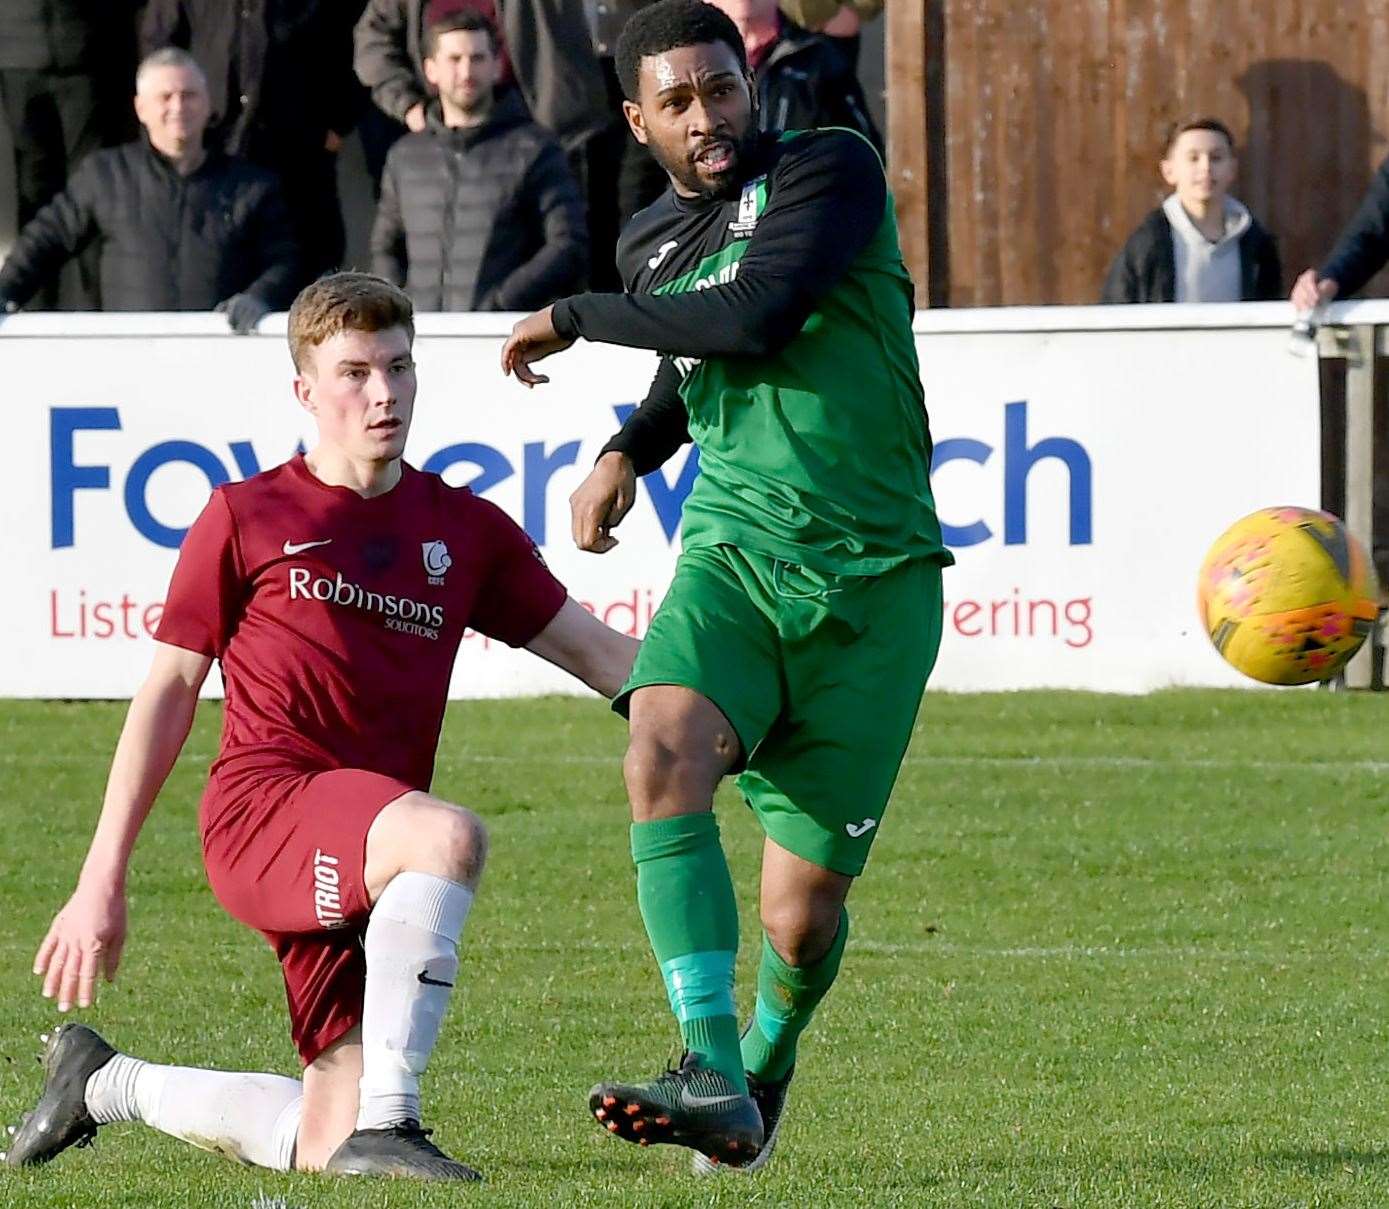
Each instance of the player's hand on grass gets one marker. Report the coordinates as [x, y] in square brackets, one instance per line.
[84, 940]
[601, 501]
[532, 339]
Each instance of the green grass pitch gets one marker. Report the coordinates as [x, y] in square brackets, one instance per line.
[1108, 952]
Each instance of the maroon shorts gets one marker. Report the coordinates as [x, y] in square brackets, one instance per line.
[287, 858]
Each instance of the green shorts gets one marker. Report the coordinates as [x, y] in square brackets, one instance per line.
[819, 675]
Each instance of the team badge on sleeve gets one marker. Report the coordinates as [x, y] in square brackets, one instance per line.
[436, 561]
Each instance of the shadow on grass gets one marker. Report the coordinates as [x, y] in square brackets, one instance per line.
[1317, 1160]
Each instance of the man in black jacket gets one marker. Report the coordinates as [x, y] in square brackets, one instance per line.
[62, 64]
[283, 95]
[479, 211]
[803, 80]
[1360, 252]
[547, 42]
[179, 228]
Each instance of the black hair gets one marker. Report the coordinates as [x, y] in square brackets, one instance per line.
[666, 25]
[1214, 125]
[469, 22]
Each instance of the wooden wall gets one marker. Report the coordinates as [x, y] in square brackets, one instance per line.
[1026, 133]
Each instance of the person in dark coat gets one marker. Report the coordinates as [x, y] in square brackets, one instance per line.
[1360, 252]
[803, 80]
[179, 228]
[622, 176]
[1201, 244]
[478, 211]
[283, 96]
[63, 65]
[547, 42]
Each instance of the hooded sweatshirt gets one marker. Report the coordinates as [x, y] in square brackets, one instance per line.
[1207, 271]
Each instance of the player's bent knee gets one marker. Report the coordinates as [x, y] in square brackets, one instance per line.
[462, 840]
[801, 933]
[423, 834]
[666, 776]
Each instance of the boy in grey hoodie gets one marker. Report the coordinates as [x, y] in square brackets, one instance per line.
[1200, 245]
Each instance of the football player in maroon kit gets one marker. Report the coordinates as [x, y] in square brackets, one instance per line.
[333, 591]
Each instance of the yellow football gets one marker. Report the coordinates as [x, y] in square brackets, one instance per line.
[1287, 595]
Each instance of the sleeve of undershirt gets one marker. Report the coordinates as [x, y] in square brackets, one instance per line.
[518, 597]
[655, 430]
[827, 199]
[207, 592]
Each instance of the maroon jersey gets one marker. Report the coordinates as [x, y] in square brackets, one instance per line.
[336, 618]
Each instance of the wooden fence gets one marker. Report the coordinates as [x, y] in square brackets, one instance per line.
[1025, 134]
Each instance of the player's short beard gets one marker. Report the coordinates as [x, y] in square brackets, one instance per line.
[688, 176]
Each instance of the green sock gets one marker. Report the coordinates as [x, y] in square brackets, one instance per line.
[686, 900]
[787, 997]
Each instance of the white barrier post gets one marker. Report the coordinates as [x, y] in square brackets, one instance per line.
[1359, 455]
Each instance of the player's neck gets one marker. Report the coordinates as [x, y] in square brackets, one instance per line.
[334, 468]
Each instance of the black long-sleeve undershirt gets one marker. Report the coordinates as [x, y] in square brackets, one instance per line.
[656, 429]
[825, 202]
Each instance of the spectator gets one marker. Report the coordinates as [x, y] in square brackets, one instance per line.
[179, 228]
[547, 42]
[283, 95]
[478, 210]
[623, 178]
[1360, 252]
[1200, 245]
[60, 61]
[840, 21]
[803, 80]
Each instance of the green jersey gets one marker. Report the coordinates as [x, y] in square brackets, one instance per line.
[784, 313]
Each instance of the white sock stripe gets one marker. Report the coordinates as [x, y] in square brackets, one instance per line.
[422, 900]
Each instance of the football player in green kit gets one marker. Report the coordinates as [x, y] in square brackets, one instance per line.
[805, 613]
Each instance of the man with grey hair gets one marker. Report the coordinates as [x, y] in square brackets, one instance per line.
[178, 227]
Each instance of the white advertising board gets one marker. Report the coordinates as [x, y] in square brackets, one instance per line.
[1081, 475]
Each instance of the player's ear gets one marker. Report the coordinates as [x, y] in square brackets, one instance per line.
[303, 391]
[1168, 170]
[636, 123]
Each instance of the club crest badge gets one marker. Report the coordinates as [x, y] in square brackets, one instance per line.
[436, 561]
[749, 205]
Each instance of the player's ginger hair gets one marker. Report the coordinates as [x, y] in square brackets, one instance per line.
[345, 302]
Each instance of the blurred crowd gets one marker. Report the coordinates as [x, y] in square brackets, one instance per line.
[500, 163]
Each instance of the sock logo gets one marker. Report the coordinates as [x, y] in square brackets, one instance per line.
[432, 982]
[327, 893]
[859, 830]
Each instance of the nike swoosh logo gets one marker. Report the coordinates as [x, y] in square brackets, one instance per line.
[300, 547]
[690, 1101]
[432, 982]
[857, 830]
[661, 253]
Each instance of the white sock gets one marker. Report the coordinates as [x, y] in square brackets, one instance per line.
[412, 936]
[251, 1118]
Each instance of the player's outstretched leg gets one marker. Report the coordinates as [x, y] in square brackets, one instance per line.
[802, 914]
[253, 1118]
[424, 859]
[681, 745]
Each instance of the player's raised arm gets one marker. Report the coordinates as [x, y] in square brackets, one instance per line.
[88, 934]
[827, 201]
